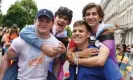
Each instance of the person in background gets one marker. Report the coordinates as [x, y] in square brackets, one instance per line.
[1, 29]
[7, 38]
[123, 61]
[131, 50]
[5, 30]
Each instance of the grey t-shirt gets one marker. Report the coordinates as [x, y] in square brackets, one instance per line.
[31, 65]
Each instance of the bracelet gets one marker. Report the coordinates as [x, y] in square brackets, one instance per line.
[77, 54]
[76, 61]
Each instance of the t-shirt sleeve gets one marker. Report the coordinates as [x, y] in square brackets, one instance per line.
[29, 35]
[16, 45]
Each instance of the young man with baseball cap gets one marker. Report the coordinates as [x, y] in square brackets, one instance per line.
[33, 63]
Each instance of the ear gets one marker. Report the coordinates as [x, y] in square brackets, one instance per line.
[88, 34]
[101, 19]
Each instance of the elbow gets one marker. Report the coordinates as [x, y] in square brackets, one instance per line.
[100, 62]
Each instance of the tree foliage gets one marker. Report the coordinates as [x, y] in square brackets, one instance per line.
[0, 14]
[30, 7]
[15, 15]
[1, 17]
[20, 13]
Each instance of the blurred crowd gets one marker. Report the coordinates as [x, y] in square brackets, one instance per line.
[7, 35]
[124, 55]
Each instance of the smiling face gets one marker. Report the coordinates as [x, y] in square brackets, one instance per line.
[92, 17]
[80, 34]
[61, 22]
[44, 24]
[120, 48]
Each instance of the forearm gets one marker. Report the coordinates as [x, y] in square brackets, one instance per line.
[3, 67]
[98, 60]
[29, 35]
[90, 62]
[57, 66]
[80, 54]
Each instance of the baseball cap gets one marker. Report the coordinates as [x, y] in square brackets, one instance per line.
[45, 12]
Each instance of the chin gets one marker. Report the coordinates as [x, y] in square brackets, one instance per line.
[60, 28]
[77, 42]
[42, 31]
[91, 24]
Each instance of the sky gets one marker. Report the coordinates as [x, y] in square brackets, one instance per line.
[75, 5]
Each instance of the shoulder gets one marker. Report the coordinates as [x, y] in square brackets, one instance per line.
[108, 28]
[18, 44]
[30, 26]
[51, 41]
[54, 38]
[18, 41]
[102, 46]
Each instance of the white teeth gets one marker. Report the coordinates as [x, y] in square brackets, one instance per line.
[77, 37]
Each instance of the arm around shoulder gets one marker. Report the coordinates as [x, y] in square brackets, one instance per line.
[98, 60]
[29, 35]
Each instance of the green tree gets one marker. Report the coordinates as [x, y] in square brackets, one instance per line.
[15, 15]
[1, 19]
[30, 7]
[21, 13]
[0, 13]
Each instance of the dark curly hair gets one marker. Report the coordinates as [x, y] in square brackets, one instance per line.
[65, 12]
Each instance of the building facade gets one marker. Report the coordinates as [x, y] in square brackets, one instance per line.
[120, 12]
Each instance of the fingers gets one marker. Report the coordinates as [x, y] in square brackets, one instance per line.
[94, 50]
[60, 48]
[60, 43]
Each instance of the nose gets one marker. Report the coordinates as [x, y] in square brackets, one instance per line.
[44, 23]
[91, 16]
[61, 19]
[77, 32]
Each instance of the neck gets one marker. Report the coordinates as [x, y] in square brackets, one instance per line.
[82, 46]
[94, 29]
[43, 35]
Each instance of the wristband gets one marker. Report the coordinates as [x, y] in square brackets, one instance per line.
[77, 54]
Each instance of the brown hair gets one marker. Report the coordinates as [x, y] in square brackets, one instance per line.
[81, 22]
[91, 5]
[131, 45]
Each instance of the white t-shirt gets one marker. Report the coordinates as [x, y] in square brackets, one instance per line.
[31, 65]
